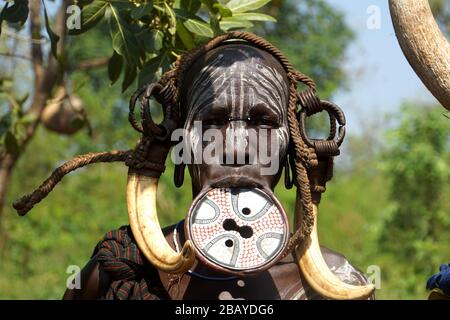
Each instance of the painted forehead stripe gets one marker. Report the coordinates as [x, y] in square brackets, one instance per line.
[213, 78]
[252, 82]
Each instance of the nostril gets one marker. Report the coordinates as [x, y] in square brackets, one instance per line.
[236, 149]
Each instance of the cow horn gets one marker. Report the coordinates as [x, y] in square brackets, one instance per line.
[317, 273]
[424, 45]
[141, 202]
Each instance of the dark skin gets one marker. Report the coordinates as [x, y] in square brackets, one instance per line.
[281, 281]
[244, 116]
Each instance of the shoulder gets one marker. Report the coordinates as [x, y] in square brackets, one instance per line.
[119, 246]
[97, 275]
[94, 283]
[342, 268]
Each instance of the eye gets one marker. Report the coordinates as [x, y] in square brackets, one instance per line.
[261, 115]
[214, 116]
[264, 121]
[214, 122]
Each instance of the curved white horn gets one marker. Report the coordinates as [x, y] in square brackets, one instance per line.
[141, 202]
[319, 276]
[424, 45]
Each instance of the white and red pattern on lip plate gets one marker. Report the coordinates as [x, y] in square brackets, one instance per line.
[238, 229]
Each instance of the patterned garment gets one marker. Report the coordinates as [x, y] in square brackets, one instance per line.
[133, 278]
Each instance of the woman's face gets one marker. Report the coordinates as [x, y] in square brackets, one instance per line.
[236, 99]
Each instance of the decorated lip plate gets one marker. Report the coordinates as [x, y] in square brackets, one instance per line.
[237, 230]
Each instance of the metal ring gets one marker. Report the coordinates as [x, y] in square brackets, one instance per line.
[149, 126]
[331, 145]
[131, 118]
[334, 110]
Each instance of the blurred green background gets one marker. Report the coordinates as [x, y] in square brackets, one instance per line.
[387, 205]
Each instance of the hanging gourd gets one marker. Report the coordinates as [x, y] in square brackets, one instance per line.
[64, 114]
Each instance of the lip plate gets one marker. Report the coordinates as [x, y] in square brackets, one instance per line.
[222, 269]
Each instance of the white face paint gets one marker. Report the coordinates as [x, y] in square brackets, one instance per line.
[245, 89]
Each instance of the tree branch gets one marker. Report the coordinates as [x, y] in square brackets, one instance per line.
[53, 73]
[35, 32]
[92, 63]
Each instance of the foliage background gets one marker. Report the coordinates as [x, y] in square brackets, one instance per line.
[388, 203]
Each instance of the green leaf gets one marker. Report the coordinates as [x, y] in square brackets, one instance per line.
[115, 67]
[18, 12]
[11, 143]
[183, 14]
[83, 3]
[224, 11]
[5, 7]
[215, 25]
[123, 5]
[230, 23]
[158, 38]
[124, 41]
[129, 76]
[237, 6]
[6, 83]
[142, 10]
[190, 6]
[21, 100]
[151, 67]
[54, 38]
[199, 28]
[28, 118]
[185, 36]
[173, 20]
[210, 5]
[150, 40]
[254, 16]
[5, 123]
[91, 14]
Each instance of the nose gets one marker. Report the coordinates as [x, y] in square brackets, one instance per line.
[236, 144]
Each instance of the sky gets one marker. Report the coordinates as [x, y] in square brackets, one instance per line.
[380, 78]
